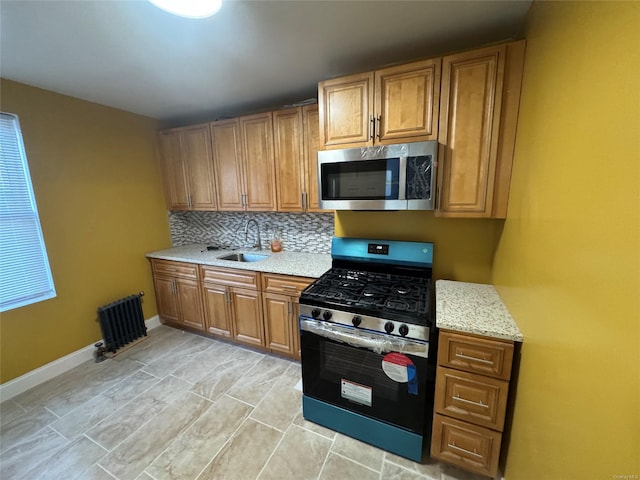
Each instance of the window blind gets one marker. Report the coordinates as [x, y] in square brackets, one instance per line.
[25, 275]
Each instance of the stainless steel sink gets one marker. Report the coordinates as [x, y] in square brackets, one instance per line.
[244, 257]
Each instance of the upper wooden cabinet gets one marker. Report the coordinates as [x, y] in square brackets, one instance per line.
[478, 116]
[244, 162]
[393, 105]
[311, 122]
[187, 168]
[296, 142]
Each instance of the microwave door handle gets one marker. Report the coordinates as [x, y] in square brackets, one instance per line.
[402, 179]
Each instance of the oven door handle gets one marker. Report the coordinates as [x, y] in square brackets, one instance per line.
[375, 342]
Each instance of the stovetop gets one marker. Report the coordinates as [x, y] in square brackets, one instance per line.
[396, 297]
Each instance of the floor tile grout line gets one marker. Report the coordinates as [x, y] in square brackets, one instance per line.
[125, 405]
[273, 451]
[326, 458]
[231, 437]
[359, 463]
[182, 432]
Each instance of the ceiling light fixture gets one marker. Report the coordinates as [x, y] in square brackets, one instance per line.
[189, 8]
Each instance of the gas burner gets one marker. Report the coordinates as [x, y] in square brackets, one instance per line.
[373, 289]
[401, 289]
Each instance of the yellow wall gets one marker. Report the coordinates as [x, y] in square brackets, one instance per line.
[463, 248]
[99, 194]
[568, 261]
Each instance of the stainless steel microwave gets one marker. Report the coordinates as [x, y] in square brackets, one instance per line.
[390, 177]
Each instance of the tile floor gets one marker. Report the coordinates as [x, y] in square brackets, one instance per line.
[181, 406]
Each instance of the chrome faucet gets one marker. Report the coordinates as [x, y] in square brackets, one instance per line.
[258, 245]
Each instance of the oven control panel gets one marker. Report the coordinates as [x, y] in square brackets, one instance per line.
[380, 325]
[378, 248]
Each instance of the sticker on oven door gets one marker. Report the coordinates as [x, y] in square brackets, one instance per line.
[356, 393]
[401, 369]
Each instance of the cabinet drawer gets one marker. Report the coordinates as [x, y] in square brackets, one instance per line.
[230, 276]
[469, 446]
[474, 398]
[284, 284]
[175, 269]
[476, 354]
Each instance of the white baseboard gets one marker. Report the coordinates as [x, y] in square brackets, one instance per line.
[15, 387]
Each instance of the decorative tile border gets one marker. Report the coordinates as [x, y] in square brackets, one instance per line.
[299, 232]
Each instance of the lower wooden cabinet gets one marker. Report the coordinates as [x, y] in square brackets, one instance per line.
[258, 310]
[280, 305]
[472, 385]
[466, 445]
[178, 294]
[232, 304]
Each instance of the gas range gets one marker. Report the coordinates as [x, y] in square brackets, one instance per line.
[368, 344]
[375, 285]
[391, 303]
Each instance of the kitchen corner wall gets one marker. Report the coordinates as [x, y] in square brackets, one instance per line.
[308, 232]
[568, 262]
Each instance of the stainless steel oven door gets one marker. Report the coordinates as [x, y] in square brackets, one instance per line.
[379, 376]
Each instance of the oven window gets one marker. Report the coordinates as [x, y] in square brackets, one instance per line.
[353, 378]
[361, 180]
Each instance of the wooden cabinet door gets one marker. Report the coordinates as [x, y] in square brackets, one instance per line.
[289, 155]
[407, 101]
[295, 328]
[277, 322]
[246, 310]
[216, 310]
[346, 110]
[227, 157]
[190, 302]
[166, 298]
[469, 125]
[311, 127]
[259, 162]
[199, 167]
[173, 169]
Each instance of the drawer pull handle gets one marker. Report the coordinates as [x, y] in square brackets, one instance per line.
[457, 397]
[289, 287]
[453, 446]
[474, 359]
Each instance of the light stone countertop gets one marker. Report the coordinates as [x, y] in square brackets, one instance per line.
[474, 308]
[287, 263]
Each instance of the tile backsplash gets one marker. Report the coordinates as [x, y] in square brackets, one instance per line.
[299, 232]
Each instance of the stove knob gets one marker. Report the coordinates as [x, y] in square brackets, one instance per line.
[388, 327]
[403, 330]
[315, 313]
[356, 320]
[327, 315]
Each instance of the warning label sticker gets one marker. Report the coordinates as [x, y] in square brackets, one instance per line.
[401, 369]
[356, 393]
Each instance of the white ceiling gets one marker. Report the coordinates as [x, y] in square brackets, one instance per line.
[251, 55]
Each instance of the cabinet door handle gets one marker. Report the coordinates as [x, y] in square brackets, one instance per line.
[174, 287]
[474, 359]
[459, 398]
[453, 445]
[377, 130]
[372, 127]
[189, 201]
[289, 309]
[227, 296]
